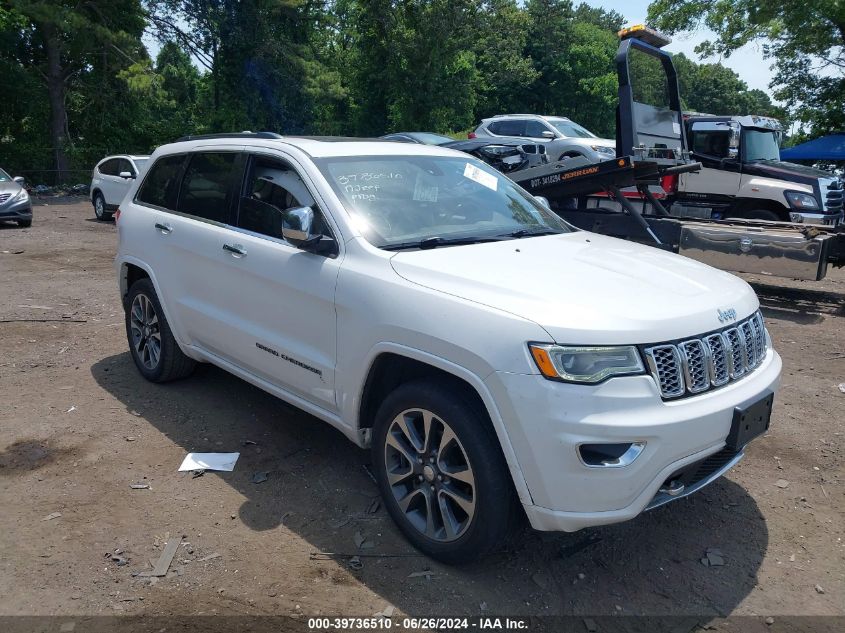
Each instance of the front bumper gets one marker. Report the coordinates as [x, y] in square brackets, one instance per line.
[21, 210]
[823, 219]
[547, 422]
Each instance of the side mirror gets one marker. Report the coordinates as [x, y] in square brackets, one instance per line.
[543, 201]
[19, 179]
[548, 134]
[296, 227]
[126, 174]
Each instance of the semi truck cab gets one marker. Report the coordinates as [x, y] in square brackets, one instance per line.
[742, 175]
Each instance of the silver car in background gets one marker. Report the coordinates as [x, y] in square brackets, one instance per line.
[14, 200]
[562, 137]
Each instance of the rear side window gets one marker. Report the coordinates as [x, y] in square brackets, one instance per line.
[514, 127]
[161, 185]
[109, 168]
[206, 190]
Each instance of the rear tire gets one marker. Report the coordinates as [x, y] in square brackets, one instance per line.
[100, 207]
[441, 472]
[151, 343]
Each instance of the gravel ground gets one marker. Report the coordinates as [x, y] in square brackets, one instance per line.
[78, 427]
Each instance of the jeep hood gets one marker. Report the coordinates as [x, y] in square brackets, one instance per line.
[584, 288]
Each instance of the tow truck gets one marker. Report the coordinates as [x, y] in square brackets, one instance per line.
[652, 148]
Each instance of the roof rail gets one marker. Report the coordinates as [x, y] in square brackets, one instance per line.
[245, 134]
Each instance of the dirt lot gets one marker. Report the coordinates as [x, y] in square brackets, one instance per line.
[78, 426]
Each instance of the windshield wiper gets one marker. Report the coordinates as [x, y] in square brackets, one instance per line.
[435, 241]
[531, 233]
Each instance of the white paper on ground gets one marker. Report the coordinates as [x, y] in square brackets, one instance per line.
[209, 461]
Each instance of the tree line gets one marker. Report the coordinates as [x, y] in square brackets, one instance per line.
[81, 81]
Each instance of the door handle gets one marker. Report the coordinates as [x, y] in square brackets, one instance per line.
[235, 249]
[164, 228]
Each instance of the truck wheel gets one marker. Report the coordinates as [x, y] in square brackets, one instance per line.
[100, 207]
[154, 350]
[441, 472]
[755, 214]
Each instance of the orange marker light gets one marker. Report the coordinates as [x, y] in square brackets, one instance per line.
[544, 363]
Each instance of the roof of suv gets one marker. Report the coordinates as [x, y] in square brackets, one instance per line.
[314, 146]
[132, 156]
[527, 116]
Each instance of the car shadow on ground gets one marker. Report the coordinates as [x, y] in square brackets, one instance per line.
[318, 485]
[802, 306]
[10, 224]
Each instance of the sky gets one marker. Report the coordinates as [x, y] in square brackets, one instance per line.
[747, 62]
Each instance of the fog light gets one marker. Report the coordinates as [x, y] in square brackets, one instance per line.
[610, 455]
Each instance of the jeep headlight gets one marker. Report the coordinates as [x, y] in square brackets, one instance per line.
[589, 365]
[601, 149]
[804, 201]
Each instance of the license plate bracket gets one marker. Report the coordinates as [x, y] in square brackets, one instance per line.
[750, 421]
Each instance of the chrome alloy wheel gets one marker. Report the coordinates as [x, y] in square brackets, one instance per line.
[99, 206]
[429, 474]
[146, 335]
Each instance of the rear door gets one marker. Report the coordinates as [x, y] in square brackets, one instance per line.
[193, 267]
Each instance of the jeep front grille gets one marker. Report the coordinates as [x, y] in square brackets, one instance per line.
[712, 360]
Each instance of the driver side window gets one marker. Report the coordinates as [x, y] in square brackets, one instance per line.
[273, 187]
[714, 144]
[535, 129]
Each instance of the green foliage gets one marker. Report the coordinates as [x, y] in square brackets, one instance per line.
[715, 89]
[505, 69]
[805, 41]
[67, 56]
[337, 67]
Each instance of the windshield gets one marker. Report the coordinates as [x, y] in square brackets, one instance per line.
[4, 177]
[140, 162]
[568, 128]
[398, 200]
[760, 144]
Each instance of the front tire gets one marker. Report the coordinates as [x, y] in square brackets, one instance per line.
[441, 472]
[25, 224]
[100, 207]
[151, 343]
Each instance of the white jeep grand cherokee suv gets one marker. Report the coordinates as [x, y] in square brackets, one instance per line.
[498, 362]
